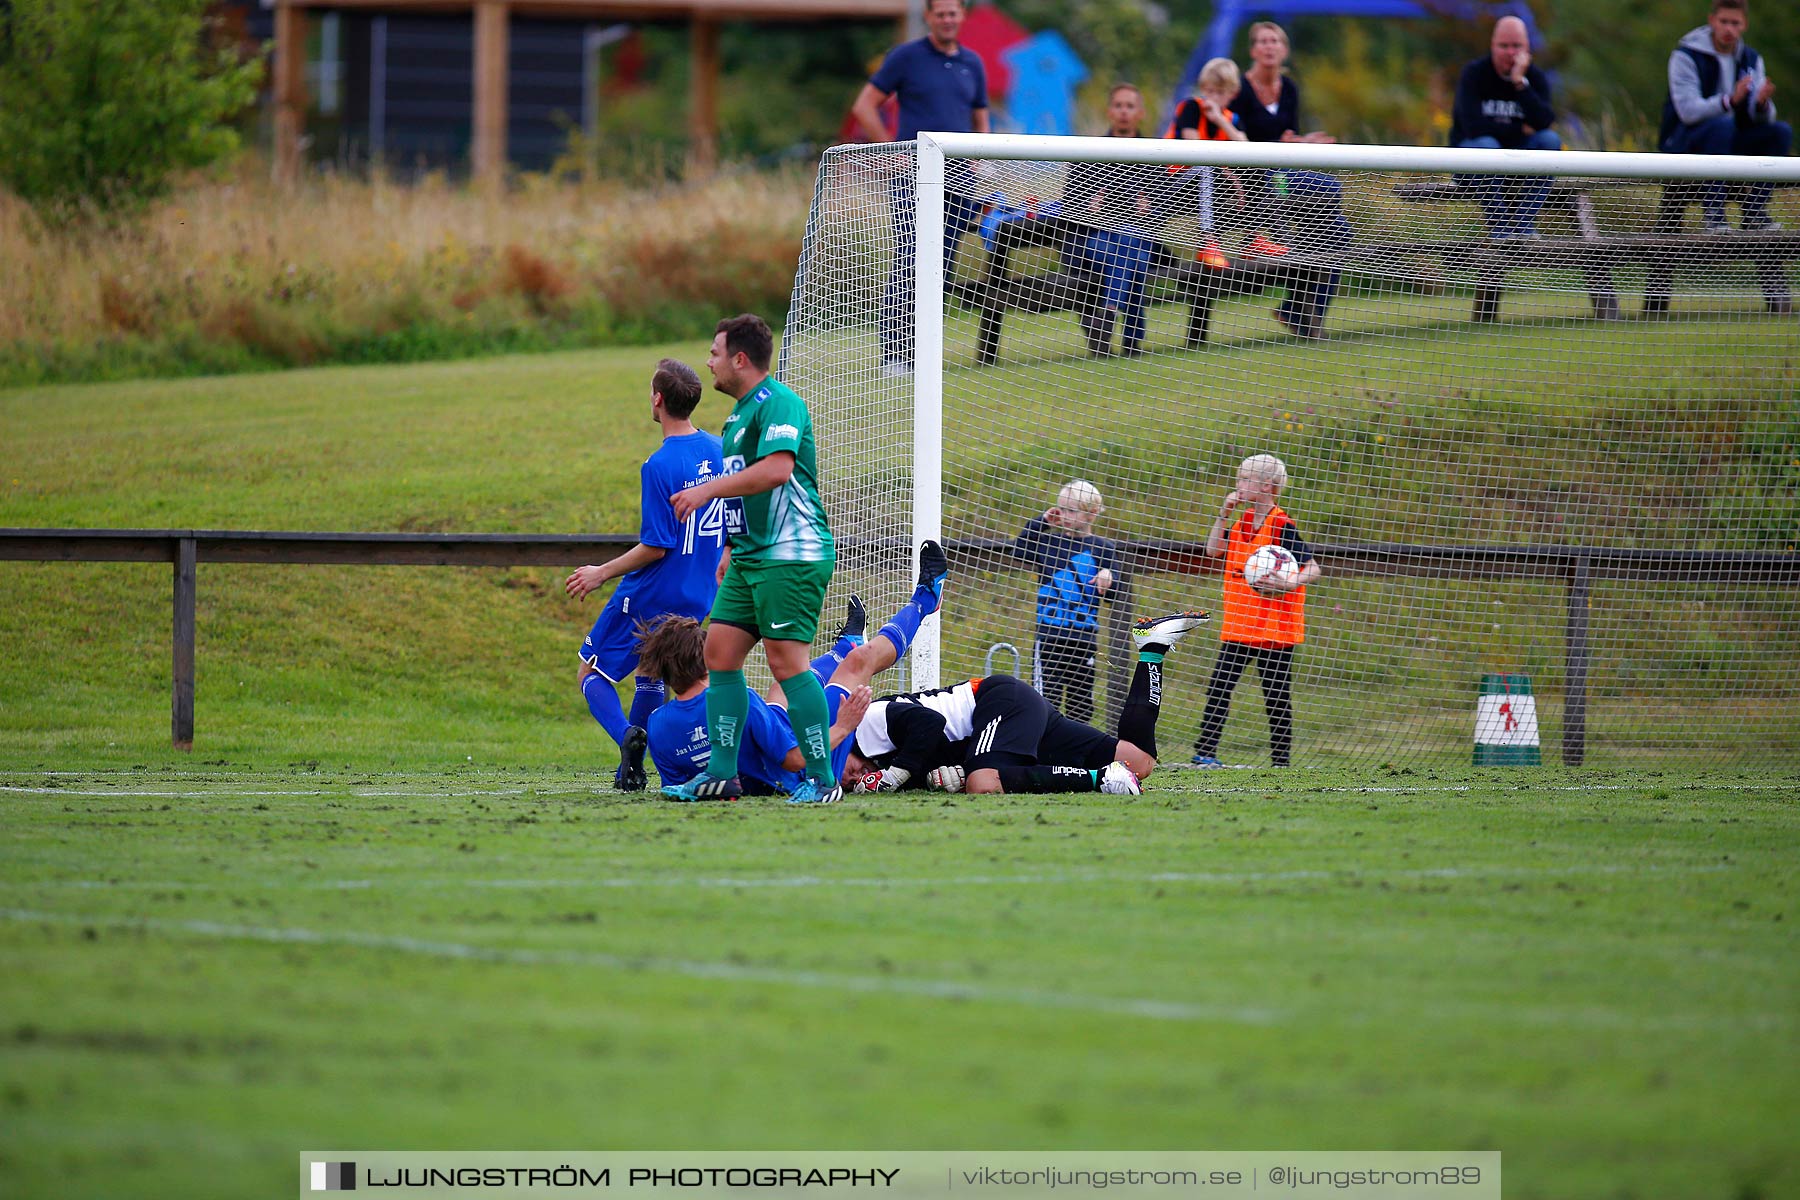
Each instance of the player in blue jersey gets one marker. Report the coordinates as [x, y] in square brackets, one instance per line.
[673, 569]
[769, 757]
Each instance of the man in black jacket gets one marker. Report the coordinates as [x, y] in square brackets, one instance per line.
[1503, 103]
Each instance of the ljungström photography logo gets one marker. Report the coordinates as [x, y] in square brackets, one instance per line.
[334, 1177]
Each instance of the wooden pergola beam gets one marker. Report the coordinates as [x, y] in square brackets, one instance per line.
[649, 10]
[488, 153]
[703, 95]
[289, 89]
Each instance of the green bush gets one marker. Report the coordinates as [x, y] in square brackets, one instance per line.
[103, 103]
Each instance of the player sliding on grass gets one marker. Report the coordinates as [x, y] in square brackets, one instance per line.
[999, 734]
[769, 760]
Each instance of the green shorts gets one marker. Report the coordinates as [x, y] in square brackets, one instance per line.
[779, 600]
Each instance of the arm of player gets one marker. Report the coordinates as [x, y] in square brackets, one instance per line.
[763, 475]
[851, 710]
[867, 111]
[583, 580]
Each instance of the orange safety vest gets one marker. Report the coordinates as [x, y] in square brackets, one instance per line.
[1208, 131]
[1250, 616]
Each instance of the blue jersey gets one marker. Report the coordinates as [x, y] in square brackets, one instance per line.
[938, 92]
[680, 749]
[685, 579]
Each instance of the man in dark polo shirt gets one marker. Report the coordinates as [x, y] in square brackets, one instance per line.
[942, 87]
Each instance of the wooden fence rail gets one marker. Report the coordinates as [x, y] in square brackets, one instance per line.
[1580, 567]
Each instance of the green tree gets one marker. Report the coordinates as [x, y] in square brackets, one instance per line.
[104, 102]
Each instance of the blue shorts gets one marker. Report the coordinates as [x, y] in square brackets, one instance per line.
[611, 645]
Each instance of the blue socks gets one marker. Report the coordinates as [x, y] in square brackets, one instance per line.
[650, 696]
[903, 626]
[826, 663]
[603, 701]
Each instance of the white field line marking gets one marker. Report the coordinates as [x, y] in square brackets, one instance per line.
[1586, 1016]
[935, 989]
[1344, 875]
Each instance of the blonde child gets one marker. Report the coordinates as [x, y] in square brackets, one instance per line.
[1074, 569]
[1264, 624]
[1206, 116]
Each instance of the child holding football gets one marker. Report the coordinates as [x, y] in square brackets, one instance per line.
[1263, 623]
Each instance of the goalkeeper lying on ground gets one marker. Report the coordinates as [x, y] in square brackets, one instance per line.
[999, 734]
[769, 760]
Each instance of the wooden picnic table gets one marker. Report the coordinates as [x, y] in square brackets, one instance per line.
[1596, 254]
[996, 289]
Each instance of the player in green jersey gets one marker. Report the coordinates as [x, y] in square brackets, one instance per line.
[778, 561]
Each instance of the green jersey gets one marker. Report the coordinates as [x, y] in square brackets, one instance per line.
[789, 523]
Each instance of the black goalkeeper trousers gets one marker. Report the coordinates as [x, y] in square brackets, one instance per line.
[1275, 668]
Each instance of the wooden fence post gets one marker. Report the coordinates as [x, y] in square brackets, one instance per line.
[182, 704]
[1575, 662]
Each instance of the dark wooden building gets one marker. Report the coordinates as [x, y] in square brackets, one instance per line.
[487, 82]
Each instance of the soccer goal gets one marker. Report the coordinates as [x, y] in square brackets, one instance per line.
[1540, 414]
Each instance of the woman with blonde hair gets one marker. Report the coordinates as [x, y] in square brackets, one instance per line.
[1268, 110]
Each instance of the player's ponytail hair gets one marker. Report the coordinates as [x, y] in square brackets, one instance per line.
[672, 649]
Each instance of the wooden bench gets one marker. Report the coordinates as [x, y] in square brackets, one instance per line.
[1569, 196]
[997, 289]
[1671, 211]
[1596, 254]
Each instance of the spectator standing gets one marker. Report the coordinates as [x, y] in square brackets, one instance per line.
[1074, 570]
[1120, 200]
[1264, 624]
[1268, 109]
[1721, 101]
[1503, 103]
[942, 87]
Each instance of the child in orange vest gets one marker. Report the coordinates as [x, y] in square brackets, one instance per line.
[1206, 117]
[1264, 624]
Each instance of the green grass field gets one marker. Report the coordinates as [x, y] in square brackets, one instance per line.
[389, 901]
[208, 969]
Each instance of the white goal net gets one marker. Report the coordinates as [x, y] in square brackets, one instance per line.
[1539, 415]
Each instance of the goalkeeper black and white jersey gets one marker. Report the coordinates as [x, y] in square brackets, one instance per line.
[883, 728]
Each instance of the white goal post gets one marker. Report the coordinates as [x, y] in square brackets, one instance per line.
[954, 397]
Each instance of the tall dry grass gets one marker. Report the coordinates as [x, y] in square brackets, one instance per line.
[365, 269]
